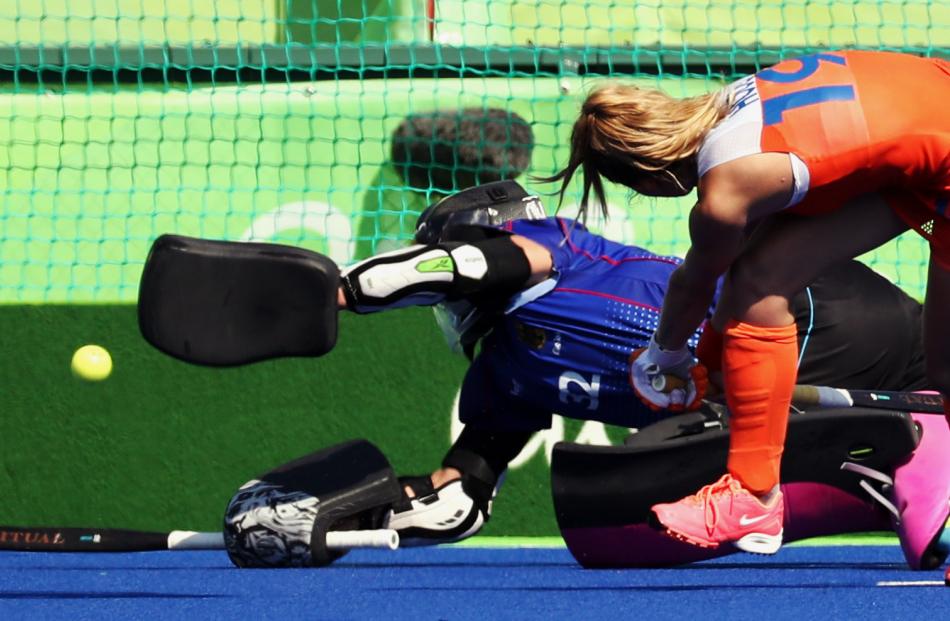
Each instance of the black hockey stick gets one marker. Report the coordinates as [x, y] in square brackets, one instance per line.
[825, 396]
[52, 539]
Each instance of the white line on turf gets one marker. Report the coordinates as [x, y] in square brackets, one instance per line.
[909, 583]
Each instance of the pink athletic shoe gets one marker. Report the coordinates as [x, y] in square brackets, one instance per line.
[725, 512]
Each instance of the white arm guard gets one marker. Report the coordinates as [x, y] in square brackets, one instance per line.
[425, 275]
[414, 276]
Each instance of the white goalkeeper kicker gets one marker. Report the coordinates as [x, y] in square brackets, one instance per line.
[336, 540]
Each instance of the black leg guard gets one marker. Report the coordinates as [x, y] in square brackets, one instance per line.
[227, 303]
[485, 454]
[603, 494]
[281, 519]
[482, 457]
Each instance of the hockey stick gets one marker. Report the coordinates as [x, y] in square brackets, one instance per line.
[51, 539]
[825, 396]
[805, 395]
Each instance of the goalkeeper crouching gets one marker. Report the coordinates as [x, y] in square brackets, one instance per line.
[549, 315]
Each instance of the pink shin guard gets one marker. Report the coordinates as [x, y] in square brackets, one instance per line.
[921, 494]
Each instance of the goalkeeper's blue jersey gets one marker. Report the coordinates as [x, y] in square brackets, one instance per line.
[563, 346]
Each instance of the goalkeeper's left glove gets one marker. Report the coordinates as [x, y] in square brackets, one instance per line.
[670, 380]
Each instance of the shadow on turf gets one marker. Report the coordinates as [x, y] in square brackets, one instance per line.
[102, 595]
[811, 586]
[790, 565]
[844, 566]
[525, 565]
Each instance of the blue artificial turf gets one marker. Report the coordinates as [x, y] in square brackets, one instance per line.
[468, 583]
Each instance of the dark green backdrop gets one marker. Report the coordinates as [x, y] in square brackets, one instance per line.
[162, 444]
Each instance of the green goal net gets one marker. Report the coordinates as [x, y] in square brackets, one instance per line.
[279, 120]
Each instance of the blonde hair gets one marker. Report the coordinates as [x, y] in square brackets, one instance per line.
[624, 132]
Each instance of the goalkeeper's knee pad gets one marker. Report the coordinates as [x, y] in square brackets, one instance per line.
[452, 512]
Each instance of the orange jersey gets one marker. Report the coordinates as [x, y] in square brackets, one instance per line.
[861, 122]
[857, 122]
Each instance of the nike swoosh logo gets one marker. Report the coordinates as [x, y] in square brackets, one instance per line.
[746, 520]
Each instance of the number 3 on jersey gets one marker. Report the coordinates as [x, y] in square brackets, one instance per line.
[773, 109]
[573, 388]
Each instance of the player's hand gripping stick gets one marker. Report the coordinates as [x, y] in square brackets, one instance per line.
[667, 379]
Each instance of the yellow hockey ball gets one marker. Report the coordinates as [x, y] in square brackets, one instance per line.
[91, 363]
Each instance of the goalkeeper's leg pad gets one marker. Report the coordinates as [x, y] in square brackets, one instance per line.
[602, 494]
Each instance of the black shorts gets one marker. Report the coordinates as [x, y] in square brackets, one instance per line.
[857, 330]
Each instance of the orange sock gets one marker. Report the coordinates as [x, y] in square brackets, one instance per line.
[760, 367]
